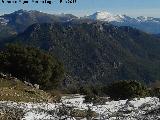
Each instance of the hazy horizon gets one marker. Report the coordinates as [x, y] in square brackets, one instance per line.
[86, 7]
[79, 14]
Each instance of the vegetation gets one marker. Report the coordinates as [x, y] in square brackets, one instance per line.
[64, 112]
[155, 92]
[126, 90]
[93, 94]
[32, 65]
[96, 52]
[12, 89]
[155, 89]
[16, 25]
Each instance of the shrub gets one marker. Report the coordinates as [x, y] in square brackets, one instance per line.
[32, 65]
[155, 92]
[155, 89]
[126, 90]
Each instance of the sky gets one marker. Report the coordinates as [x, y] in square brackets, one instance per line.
[134, 8]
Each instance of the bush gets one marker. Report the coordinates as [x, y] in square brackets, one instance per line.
[126, 90]
[155, 89]
[32, 65]
[155, 92]
[91, 90]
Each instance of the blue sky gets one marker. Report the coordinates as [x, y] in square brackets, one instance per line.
[84, 7]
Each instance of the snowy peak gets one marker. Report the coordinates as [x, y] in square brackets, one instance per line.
[146, 24]
[106, 16]
[142, 18]
[148, 19]
[102, 16]
[21, 12]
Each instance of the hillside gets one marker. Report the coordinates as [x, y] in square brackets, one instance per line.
[13, 23]
[96, 52]
[13, 89]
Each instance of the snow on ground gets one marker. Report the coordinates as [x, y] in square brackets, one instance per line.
[3, 21]
[123, 109]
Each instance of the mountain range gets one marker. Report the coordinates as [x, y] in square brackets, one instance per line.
[16, 22]
[97, 52]
[92, 48]
[146, 24]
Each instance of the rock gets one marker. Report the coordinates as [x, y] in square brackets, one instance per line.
[28, 84]
[3, 75]
[36, 86]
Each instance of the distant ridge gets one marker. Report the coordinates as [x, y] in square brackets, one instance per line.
[147, 24]
[13, 23]
[18, 21]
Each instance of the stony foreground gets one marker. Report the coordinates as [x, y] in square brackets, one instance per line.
[72, 107]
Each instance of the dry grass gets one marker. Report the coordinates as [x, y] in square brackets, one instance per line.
[15, 90]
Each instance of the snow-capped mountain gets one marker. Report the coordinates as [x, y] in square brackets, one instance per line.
[13, 23]
[106, 16]
[18, 21]
[147, 24]
[103, 16]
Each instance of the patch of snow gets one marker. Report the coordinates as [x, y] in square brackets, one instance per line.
[108, 17]
[126, 109]
[3, 21]
[34, 115]
[103, 16]
[139, 102]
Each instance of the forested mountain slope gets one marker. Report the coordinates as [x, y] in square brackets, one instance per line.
[98, 52]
